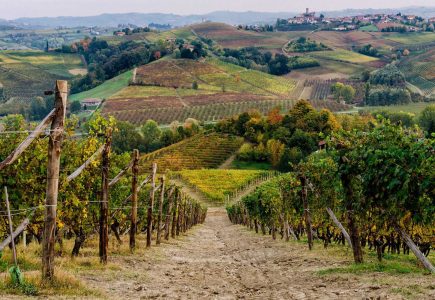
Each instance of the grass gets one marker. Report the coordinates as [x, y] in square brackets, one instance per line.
[414, 108]
[345, 55]
[105, 90]
[250, 165]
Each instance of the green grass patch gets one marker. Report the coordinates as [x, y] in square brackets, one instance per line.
[345, 55]
[250, 165]
[105, 90]
[414, 108]
[369, 28]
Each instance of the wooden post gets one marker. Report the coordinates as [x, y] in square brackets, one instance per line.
[159, 218]
[133, 227]
[339, 225]
[11, 227]
[150, 206]
[104, 205]
[304, 196]
[54, 150]
[17, 232]
[414, 248]
[168, 215]
[174, 214]
[24, 239]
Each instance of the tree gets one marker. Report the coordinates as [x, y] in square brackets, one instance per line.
[427, 119]
[151, 134]
[342, 91]
[275, 149]
[126, 138]
[75, 106]
[348, 93]
[195, 85]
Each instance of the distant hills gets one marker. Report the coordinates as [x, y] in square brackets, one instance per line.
[229, 17]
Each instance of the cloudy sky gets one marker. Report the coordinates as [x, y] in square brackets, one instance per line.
[11, 9]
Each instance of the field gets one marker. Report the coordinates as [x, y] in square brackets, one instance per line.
[106, 89]
[199, 152]
[345, 55]
[28, 73]
[414, 108]
[369, 28]
[229, 36]
[163, 92]
[411, 38]
[217, 185]
[347, 40]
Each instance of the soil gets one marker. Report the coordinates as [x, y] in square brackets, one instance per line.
[219, 260]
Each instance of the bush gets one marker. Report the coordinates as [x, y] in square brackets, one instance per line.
[389, 75]
[75, 106]
[388, 96]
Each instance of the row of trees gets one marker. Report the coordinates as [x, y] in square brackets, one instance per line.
[379, 182]
[150, 136]
[253, 58]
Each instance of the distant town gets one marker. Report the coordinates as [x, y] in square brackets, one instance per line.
[369, 22]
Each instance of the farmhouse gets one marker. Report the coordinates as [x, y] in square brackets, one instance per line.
[91, 102]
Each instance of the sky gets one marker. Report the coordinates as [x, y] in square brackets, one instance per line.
[11, 9]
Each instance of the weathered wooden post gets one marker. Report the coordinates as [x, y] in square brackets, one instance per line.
[159, 218]
[150, 206]
[168, 214]
[54, 150]
[104, 204]
[133, 227]
[11, 227]
[304, 198]
[175, 213]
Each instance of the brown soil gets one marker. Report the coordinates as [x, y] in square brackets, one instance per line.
[219, 260]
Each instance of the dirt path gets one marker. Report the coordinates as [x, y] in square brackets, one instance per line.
[219, 260]
[227, 164]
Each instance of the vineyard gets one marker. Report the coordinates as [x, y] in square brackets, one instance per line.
[203, 151]
[321, 89]
[219, 186]
[214, 112]
[391, 218]
[88, 190]
[419, 71]
[26, 74]
[163, 91]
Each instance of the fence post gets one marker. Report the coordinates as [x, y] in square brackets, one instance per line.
[159, 218]
[11, 227]
[133, 227]
[54, 150]
[150, 206]
[104, 205]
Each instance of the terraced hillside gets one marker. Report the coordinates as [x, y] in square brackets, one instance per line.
[28, 73]
[203, 151]
[165, 91]
[229, 36]
[419, 70]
